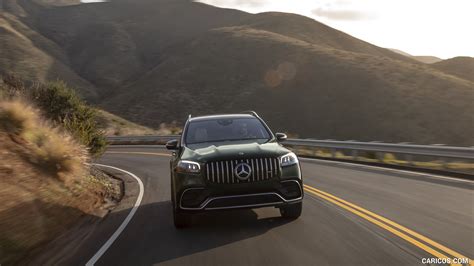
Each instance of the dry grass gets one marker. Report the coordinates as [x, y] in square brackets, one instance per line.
[16, 117]
[460, 166]
[114, 125]
[462, 67]
[49, 148]
[45, 183]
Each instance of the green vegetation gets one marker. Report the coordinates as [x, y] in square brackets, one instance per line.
[61, 105]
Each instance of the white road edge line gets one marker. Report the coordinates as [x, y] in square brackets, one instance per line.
[124, 224]
[391, 170]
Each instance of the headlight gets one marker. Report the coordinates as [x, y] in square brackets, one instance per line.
[288, 159]
[188, 167]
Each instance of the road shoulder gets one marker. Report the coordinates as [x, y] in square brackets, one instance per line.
[82, 241]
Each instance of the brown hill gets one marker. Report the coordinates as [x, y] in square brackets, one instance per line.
[27, 53]
[156, 61]
[427, 59]
[329, 93]
[462, 66]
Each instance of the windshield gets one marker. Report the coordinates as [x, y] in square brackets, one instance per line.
[226, 129]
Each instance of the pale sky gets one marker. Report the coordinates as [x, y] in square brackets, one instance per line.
[440, 28]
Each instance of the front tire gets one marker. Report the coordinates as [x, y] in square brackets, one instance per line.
[180, 219]
[292, 211]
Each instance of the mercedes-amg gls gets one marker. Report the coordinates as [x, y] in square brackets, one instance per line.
[229, 162]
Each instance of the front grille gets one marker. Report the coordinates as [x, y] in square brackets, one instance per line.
[222, 172]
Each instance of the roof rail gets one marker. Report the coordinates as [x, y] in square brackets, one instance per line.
[250, 112]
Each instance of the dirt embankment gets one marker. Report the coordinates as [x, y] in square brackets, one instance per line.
[46, 183]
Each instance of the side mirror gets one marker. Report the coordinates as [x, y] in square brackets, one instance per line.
[281, 136]
[172, 144]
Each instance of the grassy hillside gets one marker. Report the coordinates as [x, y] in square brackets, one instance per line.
[461, 66]
[311, 31]
[46, 182]
[25, 52]
[427, 59]
[154, 62]
[113, 125]
[294, 84]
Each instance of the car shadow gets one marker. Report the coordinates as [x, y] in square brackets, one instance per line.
[152, 238]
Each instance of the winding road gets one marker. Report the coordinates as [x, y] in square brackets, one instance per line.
[352, 215]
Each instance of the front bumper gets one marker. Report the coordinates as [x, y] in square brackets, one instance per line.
[271, 193]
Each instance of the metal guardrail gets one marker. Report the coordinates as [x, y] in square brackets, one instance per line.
[408, 149]
[440, 157]
[140, 140]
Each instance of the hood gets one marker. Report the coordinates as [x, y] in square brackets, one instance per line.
[217, 152]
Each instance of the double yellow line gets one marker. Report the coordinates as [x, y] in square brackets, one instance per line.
[436, 249]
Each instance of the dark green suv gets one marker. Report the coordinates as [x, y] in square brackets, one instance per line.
[230, 162]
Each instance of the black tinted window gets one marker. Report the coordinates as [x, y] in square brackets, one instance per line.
[225, 129]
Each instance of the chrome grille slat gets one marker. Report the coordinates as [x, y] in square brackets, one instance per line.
[218, 173]
[276, 167]
[249, 179]
[227, 171]
[236, 163]
[275, 162]
[271, 166]
[212, 170]
[232, 171]
[223, 172]
[236, 180]
[266, 168]
[253, 172]
[258, 170]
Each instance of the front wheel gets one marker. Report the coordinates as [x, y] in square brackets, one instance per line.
[292, 211]
[180, 219]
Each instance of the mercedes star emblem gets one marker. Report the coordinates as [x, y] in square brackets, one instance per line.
[242, 171]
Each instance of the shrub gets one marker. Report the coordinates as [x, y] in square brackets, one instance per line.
[64, 108]
[58, 153]
[48, 147]
[15, 117]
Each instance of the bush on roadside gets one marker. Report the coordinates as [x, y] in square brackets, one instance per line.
[63, 107]
[15, 118]
[49, 148]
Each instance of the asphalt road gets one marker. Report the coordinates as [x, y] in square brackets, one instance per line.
[437, 216]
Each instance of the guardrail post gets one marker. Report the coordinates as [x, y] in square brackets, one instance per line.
[444, 163]
[333, 153]
[379, 156]
[409, 159]
[355, 155]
